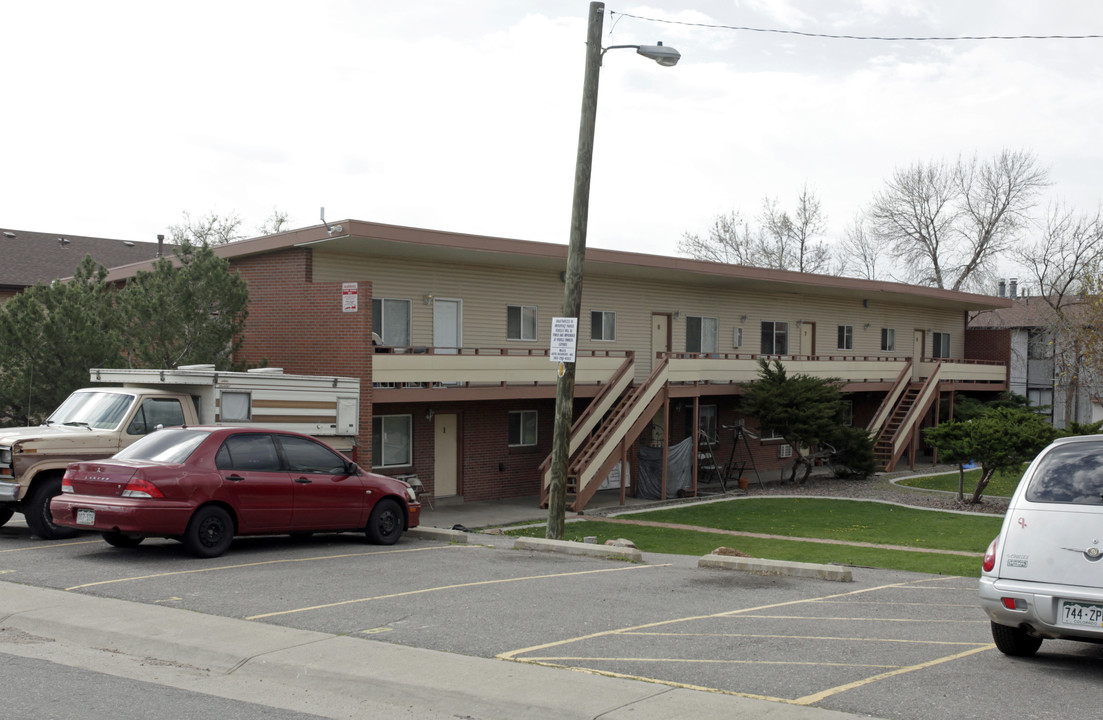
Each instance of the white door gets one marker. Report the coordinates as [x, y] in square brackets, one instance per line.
[447, 326]
[919, 338]
[808, 339]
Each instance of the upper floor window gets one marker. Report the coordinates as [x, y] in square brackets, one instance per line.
[737, 337]
[391, 321]
[702, 334]
[522, 428]
[1038, 345]
[888, 339]
[521, 322]
[775, 338]
[392, 440]
[603, 325]
[941, 345]
[846, 337]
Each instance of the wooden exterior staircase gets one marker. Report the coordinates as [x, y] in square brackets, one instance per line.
[895, 425]
[599, 451]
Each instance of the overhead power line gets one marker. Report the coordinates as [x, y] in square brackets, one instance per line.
[859, 37]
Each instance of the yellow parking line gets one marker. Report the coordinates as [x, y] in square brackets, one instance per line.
[821, 618]
[803, 637]
[817, 697]
[708, 661]
[512, 655]
[266, 562]
[52, 545]
[450, 587]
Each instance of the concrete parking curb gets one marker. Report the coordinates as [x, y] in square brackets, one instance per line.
[439, 534]
[612, 552]
[757, 566]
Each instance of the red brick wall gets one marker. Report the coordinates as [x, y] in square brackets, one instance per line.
[298, 325]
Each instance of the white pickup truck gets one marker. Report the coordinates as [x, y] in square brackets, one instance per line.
[97, 422]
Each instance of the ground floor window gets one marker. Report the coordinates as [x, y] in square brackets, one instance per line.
[522, 428]
[392, 441]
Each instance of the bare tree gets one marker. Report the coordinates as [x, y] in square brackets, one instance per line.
[861, 252]
[211, 229]
[790, 239]
[946, 223]
[729, 241]
[1064, 264]
[274, 223]
[781, 241]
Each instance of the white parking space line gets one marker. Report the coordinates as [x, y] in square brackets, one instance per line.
[316, 558]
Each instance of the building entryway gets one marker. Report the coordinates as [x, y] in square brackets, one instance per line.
[446, 454]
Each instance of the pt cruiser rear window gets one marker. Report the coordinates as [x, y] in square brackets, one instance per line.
[1069, 474]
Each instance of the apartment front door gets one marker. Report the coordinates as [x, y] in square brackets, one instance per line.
[447, 326]
[919, 339]
[445, 454]
[660, 336]
[808, 338]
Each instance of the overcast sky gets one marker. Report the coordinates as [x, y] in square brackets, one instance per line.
[462, 115]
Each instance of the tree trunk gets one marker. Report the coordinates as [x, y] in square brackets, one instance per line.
[985, 477]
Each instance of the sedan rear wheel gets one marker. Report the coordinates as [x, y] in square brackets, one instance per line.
[210, 532]
[385, 524]
[119, 540]
[1015, 641]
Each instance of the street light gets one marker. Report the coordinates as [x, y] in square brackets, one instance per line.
[576, 252]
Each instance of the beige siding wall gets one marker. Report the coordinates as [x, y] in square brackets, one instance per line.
[487, 291]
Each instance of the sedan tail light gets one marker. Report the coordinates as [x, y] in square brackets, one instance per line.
[67, 482]
[989, 561]
[139, 487]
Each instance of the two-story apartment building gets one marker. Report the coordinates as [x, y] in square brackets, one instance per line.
[449, 334]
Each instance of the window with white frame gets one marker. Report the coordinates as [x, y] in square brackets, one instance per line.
[846, 413]
[941, 345]
[775, 338]
[702, 334]
[846, 337]
[888, 339]
[520, 322]
[737, 337]
[392, 440]
[603, 325]
[391, 321]
[522, 428]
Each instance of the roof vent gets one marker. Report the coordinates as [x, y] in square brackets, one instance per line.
[9, 234]
[128, 243]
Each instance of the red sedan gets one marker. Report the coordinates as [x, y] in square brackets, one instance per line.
[204, 485]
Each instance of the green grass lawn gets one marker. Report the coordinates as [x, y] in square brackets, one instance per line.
[845, 520]
[1002, 484]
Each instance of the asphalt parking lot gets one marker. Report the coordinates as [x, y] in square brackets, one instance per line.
[888, 644]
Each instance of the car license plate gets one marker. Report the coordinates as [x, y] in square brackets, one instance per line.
[86, 517]
[1081, 614]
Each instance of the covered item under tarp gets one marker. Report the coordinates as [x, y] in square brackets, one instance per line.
[679, 463]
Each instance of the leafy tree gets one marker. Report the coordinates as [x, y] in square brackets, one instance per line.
[185, 311]
[947, 223]
[50, 335]
[803, 409]
[1001, 438]
[854, 457]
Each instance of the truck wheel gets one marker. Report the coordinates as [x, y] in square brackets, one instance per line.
[36, 510]
[5, 514]
[210, 532]
[385, 523]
